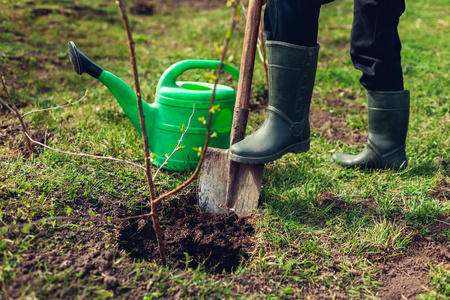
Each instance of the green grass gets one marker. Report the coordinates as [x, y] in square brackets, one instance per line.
[302, 243]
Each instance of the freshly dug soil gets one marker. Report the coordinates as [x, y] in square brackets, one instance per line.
[217, 242]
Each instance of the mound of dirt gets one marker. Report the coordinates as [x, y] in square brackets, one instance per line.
[217, 242]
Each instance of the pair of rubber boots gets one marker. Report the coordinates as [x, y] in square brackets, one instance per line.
[286, 129]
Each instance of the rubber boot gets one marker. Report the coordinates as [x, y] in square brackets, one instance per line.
[292, 71]
[388, 114]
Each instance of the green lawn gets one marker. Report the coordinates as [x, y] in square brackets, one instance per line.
[320, 231]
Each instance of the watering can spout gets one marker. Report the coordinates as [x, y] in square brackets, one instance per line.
[81, 63]
[124, 95]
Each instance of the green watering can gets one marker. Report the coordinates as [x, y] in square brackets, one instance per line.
[175, 101]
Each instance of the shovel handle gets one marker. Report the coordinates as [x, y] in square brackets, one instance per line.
[246, 71]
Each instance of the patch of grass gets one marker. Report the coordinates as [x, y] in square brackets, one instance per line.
[440, 280]
[321, 229]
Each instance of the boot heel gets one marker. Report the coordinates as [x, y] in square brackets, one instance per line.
[300, 147]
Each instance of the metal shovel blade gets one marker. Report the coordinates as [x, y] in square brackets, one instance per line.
[228, 186]
[225, 185]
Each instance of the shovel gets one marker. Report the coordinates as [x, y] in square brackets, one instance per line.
[225, 185]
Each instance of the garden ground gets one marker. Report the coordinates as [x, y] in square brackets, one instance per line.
[321, 232]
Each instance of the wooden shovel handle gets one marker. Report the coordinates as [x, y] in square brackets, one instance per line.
[246, 72]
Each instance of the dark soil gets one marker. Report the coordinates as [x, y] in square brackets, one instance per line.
[217, 242]
[88, 250]
[99, 253]
[441, 193]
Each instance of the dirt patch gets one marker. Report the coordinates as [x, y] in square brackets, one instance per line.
[403, 275]
[83, 251]
[406, 276]
[442, 192]
[217, 242]
[331, 123]
[365, 206]
[11, 136]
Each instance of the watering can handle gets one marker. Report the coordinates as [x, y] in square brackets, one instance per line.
[170, 76]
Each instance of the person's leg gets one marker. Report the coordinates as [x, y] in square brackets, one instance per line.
[375, 50]
[292, 21]
[291, 29]
[375, 43]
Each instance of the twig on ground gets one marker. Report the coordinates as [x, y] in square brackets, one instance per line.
[83, 154]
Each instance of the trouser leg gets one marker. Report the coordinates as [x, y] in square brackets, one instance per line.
[292, 21]
[375, 43]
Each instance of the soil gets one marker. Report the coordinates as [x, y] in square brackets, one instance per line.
[105, 252]
[217, 242]
[406, 276]
[331, 125]
[11, 136]
[442, 193]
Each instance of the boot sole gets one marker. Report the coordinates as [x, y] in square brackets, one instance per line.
[295, 148]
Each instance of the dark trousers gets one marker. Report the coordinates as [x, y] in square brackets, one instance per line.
[374, 43]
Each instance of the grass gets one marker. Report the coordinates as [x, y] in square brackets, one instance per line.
[307, 243]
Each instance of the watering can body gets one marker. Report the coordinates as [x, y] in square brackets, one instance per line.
[179, 106]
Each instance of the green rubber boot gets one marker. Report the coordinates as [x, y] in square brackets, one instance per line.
[292, 71]
[388, 114]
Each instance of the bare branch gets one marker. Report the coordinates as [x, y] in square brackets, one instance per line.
[177, 148]
[17, 113]
[134, 217]
[84, 154]
[150, 183]
[7, 106]
[233, 22]
[57, 107]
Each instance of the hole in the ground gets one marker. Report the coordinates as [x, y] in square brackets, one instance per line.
[216, 242]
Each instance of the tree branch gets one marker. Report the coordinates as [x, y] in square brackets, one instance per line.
[150, 183]
[17, 113]
[83, 154]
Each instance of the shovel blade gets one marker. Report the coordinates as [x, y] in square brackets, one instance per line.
[244, 187]
[228, 186]
[212, 185]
